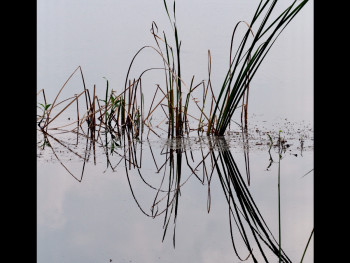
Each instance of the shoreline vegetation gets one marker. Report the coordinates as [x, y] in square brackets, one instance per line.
[126, 109]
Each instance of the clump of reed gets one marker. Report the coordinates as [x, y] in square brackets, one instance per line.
[235, 88]
[248, 58]
[119, 111]
[176, 100]
[126, 109]
[103, 121]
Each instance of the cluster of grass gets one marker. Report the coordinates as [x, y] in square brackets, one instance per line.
[247, 60]
[125, 110]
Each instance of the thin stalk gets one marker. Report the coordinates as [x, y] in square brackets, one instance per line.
[179, 92]
[279, 197]
[170, 89]
[307, 246]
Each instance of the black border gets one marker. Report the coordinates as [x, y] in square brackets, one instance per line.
[19, 131]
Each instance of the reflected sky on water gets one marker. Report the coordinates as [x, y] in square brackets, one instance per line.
[98, 218]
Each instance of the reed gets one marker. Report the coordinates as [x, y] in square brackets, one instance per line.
[247, 61]
[302, 258]
[126, 109]
[175, 108]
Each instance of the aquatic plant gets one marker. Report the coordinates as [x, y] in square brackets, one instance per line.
[246, 62]
[126, 109]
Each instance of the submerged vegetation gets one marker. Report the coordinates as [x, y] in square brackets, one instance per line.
[119, 121]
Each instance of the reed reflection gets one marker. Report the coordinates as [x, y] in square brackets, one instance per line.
[177, 163]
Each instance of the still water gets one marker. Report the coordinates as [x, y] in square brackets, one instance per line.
[106, 214]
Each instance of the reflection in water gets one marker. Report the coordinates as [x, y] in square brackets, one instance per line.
[166, 200]
[243, 206]
[177, 156]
